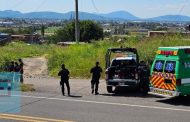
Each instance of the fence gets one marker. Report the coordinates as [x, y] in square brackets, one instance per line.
[9, 92]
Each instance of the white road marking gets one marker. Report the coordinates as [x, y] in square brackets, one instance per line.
[105, 103]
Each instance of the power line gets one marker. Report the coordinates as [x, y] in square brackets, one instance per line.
[97, 10]
[38, 7]
[182, 8]
[94, 5]
[17, 4]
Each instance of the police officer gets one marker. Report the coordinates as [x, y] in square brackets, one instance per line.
[64, 73]
[21, 65]
[144, 74]
[16, 67]
[95, 77]
[11, 66]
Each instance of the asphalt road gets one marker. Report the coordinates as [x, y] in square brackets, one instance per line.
[125, 106]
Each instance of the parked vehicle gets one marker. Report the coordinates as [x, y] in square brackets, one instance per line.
[123, 69]
[170, 72]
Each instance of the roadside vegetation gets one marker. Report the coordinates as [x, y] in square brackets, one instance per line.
[15, 50]
[80, 58]
[27, 87]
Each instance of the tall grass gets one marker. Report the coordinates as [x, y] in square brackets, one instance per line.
[14, 51]
[147, 48]
[80, 58]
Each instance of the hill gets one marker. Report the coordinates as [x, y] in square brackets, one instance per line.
[121, 15]
[117, 15]
[174, 18]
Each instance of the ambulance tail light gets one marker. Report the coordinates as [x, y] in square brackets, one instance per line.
[175, 52]
[178, 82]
[158, 52]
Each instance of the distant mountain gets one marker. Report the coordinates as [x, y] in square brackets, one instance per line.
[10, 13]
[85, 16]
[121, 15]
[69, 15]
[174, 18]
[49, 15]
[118, 15]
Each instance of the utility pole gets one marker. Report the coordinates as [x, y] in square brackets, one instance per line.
[77, 33]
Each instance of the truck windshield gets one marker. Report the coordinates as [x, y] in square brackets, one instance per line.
[170, 67]
[123, 63]
[158, 66]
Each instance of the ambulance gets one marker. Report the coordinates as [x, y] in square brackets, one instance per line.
[170, 72]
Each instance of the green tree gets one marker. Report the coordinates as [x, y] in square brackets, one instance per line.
[9, 31]
[89, 30]
[26, 30]
[42, 30]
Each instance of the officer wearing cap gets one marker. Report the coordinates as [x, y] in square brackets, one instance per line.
[96, 73]
[64, 73]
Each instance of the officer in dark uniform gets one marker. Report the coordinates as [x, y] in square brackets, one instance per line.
[21, 65]
[95, 77]
[16, 67]
[144, 74]
[64, 73]
[11, 66]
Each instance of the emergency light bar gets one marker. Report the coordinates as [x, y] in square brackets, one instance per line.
[163, 52]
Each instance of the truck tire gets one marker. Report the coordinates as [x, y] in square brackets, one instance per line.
[109, 89]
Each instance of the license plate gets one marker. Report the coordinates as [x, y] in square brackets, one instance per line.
[121, 83]
[116, 76]
[163, 92]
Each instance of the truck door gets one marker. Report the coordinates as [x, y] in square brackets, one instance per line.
[169, 75]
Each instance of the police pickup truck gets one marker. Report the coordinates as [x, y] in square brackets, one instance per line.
[124, 69]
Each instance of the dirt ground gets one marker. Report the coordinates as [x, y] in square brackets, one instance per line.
[36, 73]
[35, 67]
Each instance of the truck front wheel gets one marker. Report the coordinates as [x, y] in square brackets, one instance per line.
[109, 89]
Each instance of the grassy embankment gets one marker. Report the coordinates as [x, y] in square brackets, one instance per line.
[14, 51]
[80, 58]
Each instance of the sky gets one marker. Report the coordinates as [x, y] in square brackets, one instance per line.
[139, 8]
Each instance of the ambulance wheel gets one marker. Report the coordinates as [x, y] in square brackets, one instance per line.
[109, 89]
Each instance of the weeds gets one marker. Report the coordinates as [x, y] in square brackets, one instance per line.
[80, 58]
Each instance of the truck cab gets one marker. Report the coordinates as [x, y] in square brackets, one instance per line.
[123, 69]
[170, 72]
